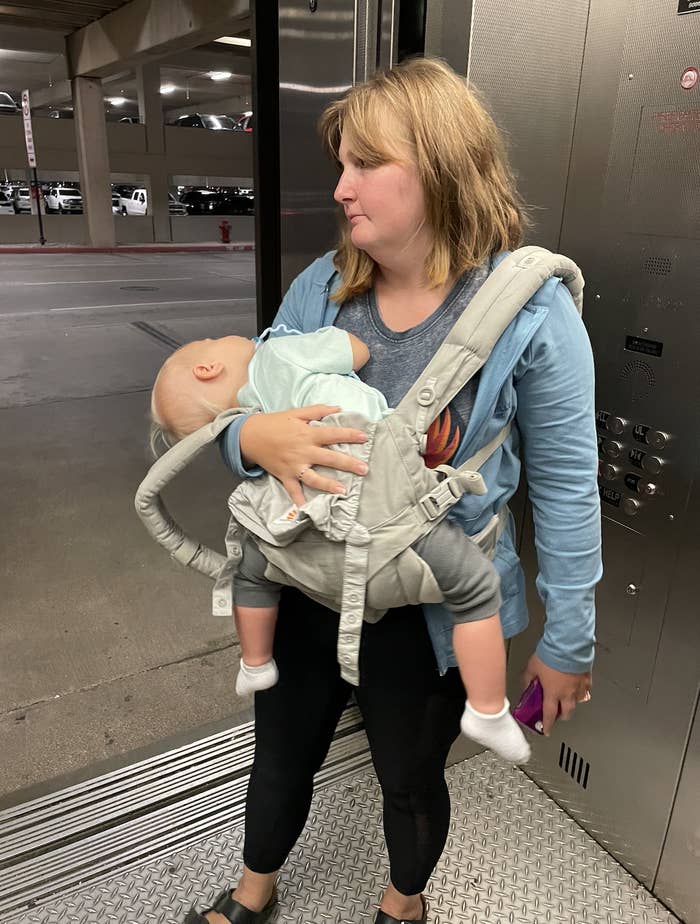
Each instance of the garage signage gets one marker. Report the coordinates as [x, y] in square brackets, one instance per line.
[689, 6]
[28, 135]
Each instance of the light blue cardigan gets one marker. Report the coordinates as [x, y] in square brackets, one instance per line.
[540, 374]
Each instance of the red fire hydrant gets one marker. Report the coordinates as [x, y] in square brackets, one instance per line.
[225, 230]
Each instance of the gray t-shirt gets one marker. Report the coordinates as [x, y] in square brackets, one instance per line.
[398, 357]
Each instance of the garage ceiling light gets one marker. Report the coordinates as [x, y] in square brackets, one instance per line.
[116, 100]
[233, 40]
[167, 88]
[220, 75]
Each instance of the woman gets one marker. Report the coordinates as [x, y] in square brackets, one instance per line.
[429, 204]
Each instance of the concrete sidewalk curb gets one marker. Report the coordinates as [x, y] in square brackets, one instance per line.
[126, 248]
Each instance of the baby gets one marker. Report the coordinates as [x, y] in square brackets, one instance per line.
[205, 377]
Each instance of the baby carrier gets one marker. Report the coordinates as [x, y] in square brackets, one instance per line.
[353, 552]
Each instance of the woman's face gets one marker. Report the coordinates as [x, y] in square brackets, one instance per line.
[384, 205]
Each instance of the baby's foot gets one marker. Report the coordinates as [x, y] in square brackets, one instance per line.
[500, 732]
[259, 677]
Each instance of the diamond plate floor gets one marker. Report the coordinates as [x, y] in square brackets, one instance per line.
[513, 857]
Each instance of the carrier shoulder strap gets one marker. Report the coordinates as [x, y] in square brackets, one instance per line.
[469, 344]
[153, 512]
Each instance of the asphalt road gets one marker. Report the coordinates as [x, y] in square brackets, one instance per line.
[106, 646]
[74, 325]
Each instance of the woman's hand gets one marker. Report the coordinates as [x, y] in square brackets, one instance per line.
[559, 689]
[286, 446]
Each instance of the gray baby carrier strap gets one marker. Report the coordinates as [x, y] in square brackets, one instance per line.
[366, 535]
[463, 352]
[156, 517]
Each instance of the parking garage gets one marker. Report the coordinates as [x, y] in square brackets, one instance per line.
[129, 146]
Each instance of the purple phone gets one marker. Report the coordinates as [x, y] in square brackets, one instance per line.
[529, 709]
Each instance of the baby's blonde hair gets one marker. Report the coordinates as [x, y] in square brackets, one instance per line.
[170, 425]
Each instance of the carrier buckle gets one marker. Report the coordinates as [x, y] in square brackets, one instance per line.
[440, 499]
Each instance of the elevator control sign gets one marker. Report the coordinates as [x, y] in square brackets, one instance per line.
[610, 496]
[689, 6]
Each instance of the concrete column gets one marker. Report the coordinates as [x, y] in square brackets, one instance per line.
[93, 160]
[151, 115]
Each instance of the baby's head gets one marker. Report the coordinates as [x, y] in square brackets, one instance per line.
[196, 383]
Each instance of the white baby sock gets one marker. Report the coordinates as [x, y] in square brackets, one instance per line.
[260, 677]
[500, 732]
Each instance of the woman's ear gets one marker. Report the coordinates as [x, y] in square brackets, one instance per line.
[206, 371]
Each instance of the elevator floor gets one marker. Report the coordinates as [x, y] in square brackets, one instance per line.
[512, 856]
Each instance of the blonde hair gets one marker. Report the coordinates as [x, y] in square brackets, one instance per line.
[423, 111]
[183, 411]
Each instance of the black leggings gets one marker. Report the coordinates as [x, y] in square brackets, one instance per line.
[411, 716]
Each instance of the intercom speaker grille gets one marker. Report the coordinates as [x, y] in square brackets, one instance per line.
[573, 764]
[658, 266]
[639, 378]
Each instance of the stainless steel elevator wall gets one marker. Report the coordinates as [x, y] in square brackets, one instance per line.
[631, 219]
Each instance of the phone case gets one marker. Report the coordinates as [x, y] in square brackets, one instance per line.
[529, 709]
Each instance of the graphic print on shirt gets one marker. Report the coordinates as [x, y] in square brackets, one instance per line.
[443, 437]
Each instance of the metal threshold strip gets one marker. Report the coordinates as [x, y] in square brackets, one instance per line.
[142, 812]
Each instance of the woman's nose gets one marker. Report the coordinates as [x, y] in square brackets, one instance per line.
[343, 191]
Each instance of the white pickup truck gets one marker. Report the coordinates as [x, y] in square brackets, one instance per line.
[65, 200]
[136, 203]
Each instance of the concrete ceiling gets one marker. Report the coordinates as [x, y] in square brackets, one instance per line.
[62, 16]
[34, 59]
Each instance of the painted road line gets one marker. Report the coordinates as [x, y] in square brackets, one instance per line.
[184, 301]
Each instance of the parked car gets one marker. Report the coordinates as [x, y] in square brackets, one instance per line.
[116, 204]
[22, 200]
[61, 114]
[6, 205]
[65, 200]
[136, 203]
[244, 123]
[175, 207]
[132, 120]
[199, 120]
[233, 201]
[7, 104]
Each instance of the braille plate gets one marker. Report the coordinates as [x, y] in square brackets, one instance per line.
[512, 856]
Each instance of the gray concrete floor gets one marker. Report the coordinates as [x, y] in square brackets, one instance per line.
[106, 646]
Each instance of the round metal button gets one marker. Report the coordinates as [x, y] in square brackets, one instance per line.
[612, 448]
[616, 425]
[608, 471]
[657, 439]
[631, 506]
[652, 465]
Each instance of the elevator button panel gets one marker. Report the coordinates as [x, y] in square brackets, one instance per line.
[631, 465]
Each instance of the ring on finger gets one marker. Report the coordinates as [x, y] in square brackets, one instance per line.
[303, 471]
